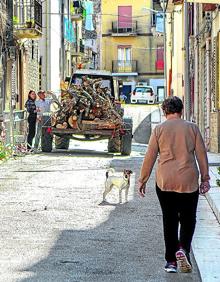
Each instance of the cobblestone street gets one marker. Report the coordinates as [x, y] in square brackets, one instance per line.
[53, 227]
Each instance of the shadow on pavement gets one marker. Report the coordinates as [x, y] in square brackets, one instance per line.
[78, 152]
[128, 246]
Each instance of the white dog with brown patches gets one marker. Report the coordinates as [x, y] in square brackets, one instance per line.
[120, 182]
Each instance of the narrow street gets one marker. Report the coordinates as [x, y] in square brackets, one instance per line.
[53, 227]
[91, 70]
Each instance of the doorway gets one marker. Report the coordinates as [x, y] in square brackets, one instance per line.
[126, 90]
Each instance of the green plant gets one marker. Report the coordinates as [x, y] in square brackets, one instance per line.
[6, 151]
[15, 20]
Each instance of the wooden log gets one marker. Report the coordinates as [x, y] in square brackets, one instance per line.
[101, 124]
[72, 120]
[62, 126]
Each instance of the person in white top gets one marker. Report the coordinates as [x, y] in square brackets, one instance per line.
[43, 115]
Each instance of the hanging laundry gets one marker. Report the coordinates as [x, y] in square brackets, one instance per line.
[69, 34]
[72, 10]
[89, 15]
[159, 23]
[84, 13]
[76, 3]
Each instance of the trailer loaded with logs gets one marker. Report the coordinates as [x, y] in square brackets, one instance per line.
[88, 110]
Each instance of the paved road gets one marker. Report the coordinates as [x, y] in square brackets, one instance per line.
[53, 227]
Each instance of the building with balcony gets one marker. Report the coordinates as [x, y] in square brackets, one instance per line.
[56, 44]
[204, 61]
[21, 70]
[27, 19]
[86, 21]
[130, 48]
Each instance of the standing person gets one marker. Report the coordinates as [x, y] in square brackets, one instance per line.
[32, 117]
[179, 143]
[43, 115]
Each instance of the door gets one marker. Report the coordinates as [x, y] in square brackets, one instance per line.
[160, 94]
[124, 17]
[124, 59]
[160, 58]
[126, 90]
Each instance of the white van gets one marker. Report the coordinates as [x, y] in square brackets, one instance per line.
[143, 94]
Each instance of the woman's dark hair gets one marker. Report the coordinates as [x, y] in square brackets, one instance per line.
[29, 95]
[172, 105]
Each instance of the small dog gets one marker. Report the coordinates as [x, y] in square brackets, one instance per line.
[122, 183]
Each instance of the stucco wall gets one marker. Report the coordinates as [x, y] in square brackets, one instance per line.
[143, 44]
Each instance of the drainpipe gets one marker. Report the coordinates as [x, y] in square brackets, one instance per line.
[186, 67]
[165, 48]
[196, 70]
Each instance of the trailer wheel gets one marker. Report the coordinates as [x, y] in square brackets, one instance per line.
[62, 143]
[126, 140]
[114, 144]
[46, 140]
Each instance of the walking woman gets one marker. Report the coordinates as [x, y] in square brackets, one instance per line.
[32, 117]
[179, 144]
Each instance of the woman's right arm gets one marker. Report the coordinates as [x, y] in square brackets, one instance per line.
[201, 156]
[149, 159]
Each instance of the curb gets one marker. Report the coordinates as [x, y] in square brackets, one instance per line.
[213, 199]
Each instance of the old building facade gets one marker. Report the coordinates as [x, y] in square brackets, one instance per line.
[130, 49]
[203, 63]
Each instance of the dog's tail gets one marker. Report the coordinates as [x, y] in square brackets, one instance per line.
[109, 170]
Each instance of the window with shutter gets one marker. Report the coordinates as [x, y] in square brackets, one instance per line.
[125, 16]
[160, 58]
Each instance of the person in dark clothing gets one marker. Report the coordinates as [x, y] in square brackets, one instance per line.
[32, 117]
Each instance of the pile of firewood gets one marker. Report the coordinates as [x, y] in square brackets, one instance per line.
[86, 106]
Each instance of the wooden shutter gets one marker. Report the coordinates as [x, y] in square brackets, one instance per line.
[124, 16]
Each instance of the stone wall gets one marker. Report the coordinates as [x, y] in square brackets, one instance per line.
[214, 132]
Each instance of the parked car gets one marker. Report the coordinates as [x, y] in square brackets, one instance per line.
[143, 94]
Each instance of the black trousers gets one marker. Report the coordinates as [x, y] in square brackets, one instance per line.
[179, 220]
[31, 130]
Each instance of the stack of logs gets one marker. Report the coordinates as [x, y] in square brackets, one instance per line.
[87, 106]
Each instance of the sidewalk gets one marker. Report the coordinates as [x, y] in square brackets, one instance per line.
[213, 196]
[206, 243]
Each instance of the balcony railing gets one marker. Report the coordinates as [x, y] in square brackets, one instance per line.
[124, 66]
[125, 29]
[27, 19]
